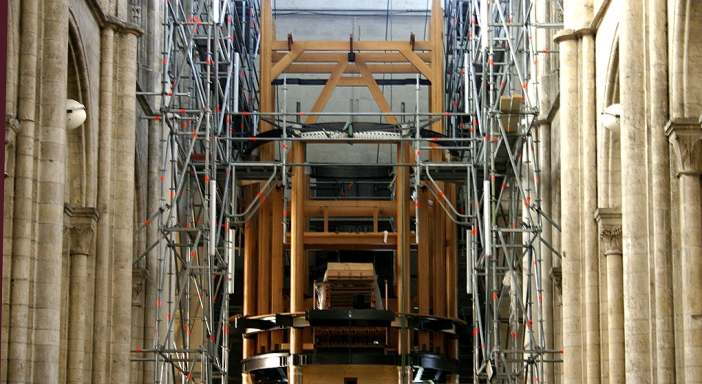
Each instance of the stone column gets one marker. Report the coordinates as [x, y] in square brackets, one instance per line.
[588, 134]
[81, 230]
[52, 157]
[660, 190]
[610, 228]
[637, 336]
[686, 138]
[570, 209]
[123, 139]
[18, 369]
[103, 259]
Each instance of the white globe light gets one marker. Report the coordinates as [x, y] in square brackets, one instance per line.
[610, 117]
[75, 114]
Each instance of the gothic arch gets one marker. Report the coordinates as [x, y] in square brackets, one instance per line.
[78, 141]
[611, 137]
[686, 59]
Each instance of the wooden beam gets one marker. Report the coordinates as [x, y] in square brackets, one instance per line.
[403, 241]
[350, 240]
[264, 270]
[249, 273]
[375, 91]
[418, 63]
[351, 68]
[267, 103]
[297, 243]
[277, 262]
[283, 64]
[349, 208]
[352, 81]
[366, 57]
[358, 46]
[327, 91]
[439, 263]
[437, 85]
[423, 263]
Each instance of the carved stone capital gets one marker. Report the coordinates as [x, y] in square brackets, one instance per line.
[138, 286]
[12, 125]
[609, 223]
[685, 135]
[611, 236]
[80, 224]
[82, 236]
[557, 276]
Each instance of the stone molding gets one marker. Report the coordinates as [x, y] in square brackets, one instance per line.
[609, 223]
[12, 125]
[685, 135]
[570, 34]
[108, 21]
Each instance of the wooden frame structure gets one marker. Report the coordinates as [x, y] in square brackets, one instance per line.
[350, 64]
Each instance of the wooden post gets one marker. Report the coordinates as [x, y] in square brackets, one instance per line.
[277, 261]
[297, 254]
[264, 268]
[250, 245]
[403, 248]
[423, 264]
[266, 153]
[266, 64]
[437, 54]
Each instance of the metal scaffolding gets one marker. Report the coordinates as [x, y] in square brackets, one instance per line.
[490, 57]
[208, 78]
[211, 109]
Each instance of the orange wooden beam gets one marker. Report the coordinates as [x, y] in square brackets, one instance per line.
[351, 68]
[366, 57]
[375, 91]
[327, 91]
[359, 46]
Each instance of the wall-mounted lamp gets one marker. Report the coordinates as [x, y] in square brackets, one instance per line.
[75, 114]
[610, 117]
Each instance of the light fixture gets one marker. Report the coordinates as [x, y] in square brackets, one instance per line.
[610, 117]
[75, 114]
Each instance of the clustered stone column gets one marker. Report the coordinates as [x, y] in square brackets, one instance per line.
[570, 209]
[52, 155]
[81, 234]
[19, 368]
[686, 139]
[104, 202]
[123, 139]
[610, 227]
[637, 292]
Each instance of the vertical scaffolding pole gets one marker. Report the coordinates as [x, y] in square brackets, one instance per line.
[207, 79]
[489, 68]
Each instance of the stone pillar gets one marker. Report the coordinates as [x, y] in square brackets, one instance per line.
[18, 367]
[81, 231]
[123, 139]
[103, 259]
[686, 138]
[588, 134]
[637, 336]
[570, 209]
[660, 190]
[52, 157]
[610, 229]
